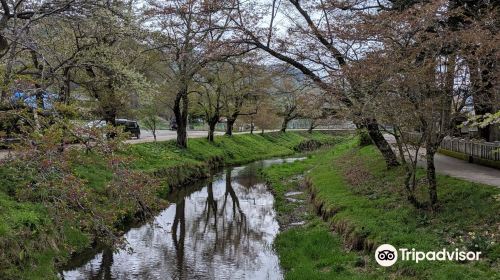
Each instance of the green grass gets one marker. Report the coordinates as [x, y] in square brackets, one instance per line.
[367, 206]
[235, 149]
[238, 149]
[165, 157]
[313, 252]
[27, 232]
[278, 176]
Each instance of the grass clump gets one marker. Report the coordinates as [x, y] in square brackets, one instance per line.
[313, 252]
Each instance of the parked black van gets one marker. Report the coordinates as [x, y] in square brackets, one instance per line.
[130, 126]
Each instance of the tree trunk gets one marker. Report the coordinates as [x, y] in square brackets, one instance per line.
[180, 112]
[39, 97]
[66, 87]
[382, 145]
[110, 115]
[481, 92]
[399, 143]
[211, 130]
[311, 127]
[284, 125]
[431, 175]
[230, 125]
[106, 264]
[252, 126]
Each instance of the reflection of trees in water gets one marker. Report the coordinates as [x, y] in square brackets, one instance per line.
[210, 207]
[234, 198]
[234, 230]
[221, 229]
[247, 176]
[179, 221]
[226, 225]
[103, 272]
[226, 236]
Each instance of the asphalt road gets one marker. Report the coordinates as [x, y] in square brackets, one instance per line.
[165, 135]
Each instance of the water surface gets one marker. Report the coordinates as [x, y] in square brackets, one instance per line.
[220, 229]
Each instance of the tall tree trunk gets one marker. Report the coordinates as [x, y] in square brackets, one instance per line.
[252, 126]
[211, 130]
[230, 125]
[66, 87]
[431, 174]
[110, 115]
[399, 143]
[481, 92]
[180, 112]
[382, 145]
[284, 125]
[311, 126]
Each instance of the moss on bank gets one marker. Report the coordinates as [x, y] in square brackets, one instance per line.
[363, 205]
[32, 247]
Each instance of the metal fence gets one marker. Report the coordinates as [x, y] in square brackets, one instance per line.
[477, 149]
[484, 150]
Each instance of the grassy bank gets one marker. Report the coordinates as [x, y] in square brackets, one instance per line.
[363, 205]
[35, 239]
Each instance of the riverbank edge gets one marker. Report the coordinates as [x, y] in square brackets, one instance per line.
[181, 173]
[354, 234]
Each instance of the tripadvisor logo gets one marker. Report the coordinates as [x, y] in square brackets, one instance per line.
[386, 255]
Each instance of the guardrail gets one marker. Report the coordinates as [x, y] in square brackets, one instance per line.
[483, 150]
[476, 149]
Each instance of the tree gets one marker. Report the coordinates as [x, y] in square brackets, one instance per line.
[287, 92]
[414, 81]
[152, 108]
[245, 81]
[266, 117]
[314, 46]
[476, 25]
[191, 35]
[318, 108]
[108, 72]
[212, 83]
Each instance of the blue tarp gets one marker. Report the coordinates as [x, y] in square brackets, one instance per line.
[30, 100]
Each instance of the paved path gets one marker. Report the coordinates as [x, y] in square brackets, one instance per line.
[459, 168]
[165, 135]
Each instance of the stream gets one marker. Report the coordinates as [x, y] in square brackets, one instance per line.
[220, 228]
